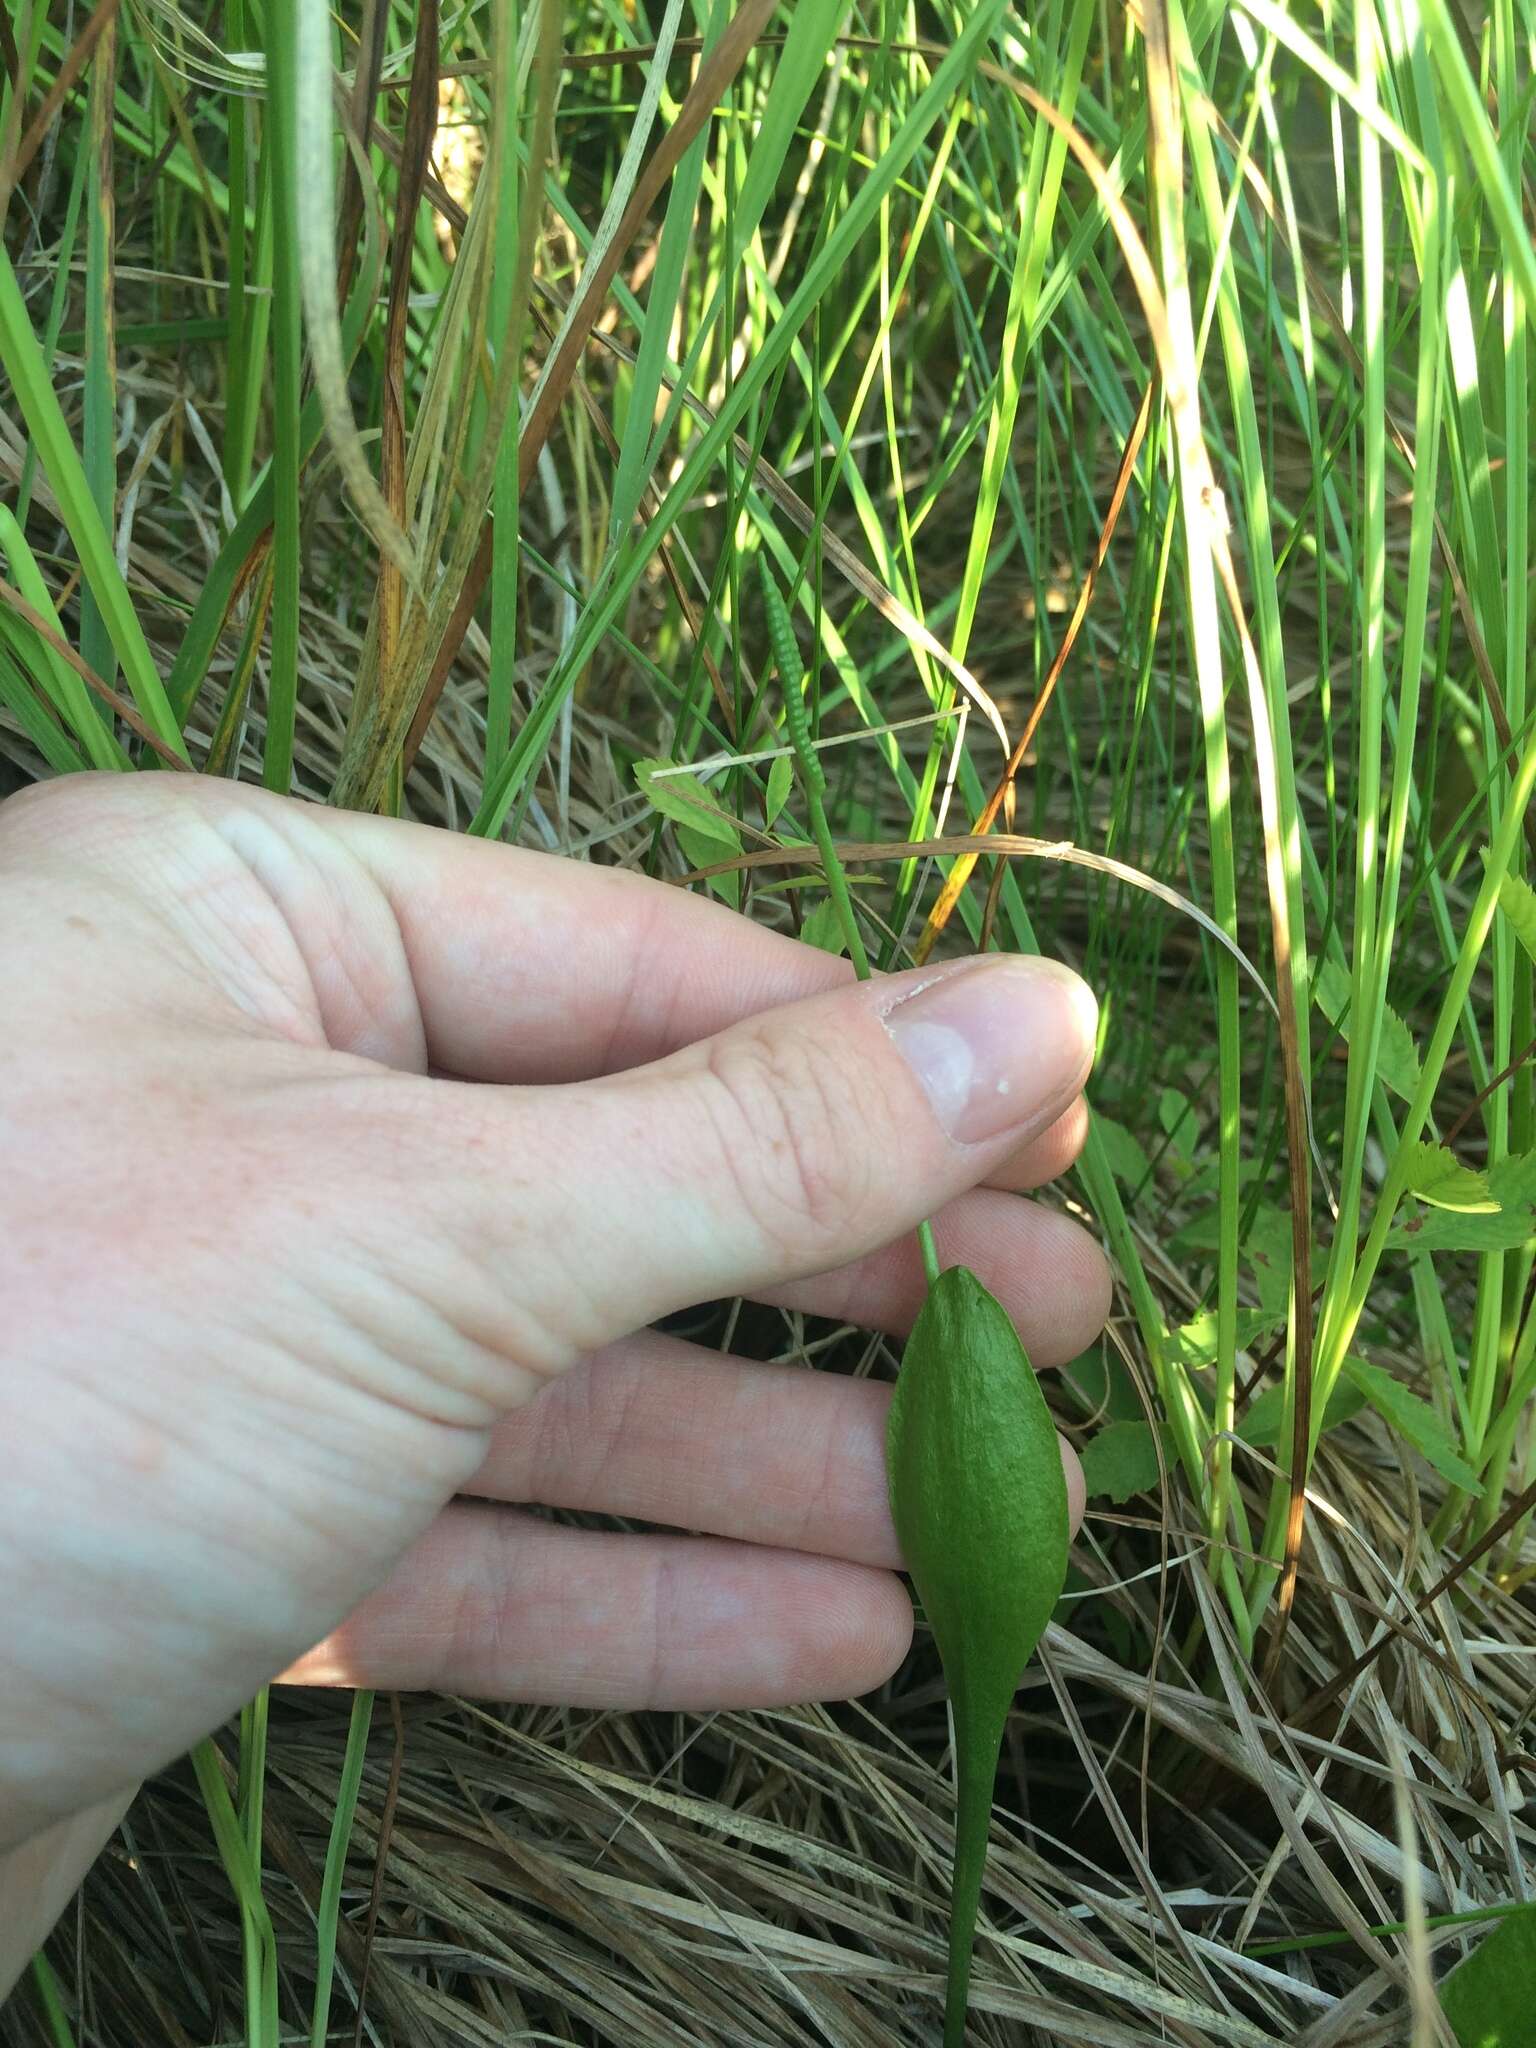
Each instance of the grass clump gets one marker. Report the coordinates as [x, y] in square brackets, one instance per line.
[1136, 410]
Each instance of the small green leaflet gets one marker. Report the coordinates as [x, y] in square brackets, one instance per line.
[1437, 1177]
[1120, 1460]
[1517, 900]
[1180, 1124]
[1512, 1181]
[680, 798]
[1490, 1997]
[1452, 1230]
[1267, 1254]
[980, 1505]
[1264, 1417]
[1102, 1387]
[1193, 1344]
[1397, 1057]
[824, 928]
[781, 780]
[1127, 1161]
[700, 851]
[1413, 1419]
[704, 832]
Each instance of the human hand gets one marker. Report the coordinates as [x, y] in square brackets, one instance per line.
[292, 1317]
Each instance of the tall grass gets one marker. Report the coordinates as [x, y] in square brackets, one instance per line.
[874, 295]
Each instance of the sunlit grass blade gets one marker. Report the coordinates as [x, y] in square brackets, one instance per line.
[23, 363]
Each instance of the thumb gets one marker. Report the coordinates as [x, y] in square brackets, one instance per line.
[790, 1144]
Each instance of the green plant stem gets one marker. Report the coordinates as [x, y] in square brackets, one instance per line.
[976, 1754]
[55, 2018]
[336, 1862]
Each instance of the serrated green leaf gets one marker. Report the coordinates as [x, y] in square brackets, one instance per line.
[1193, 1344]
[824, 928]
[1397, 1057]
[1512, 1180]
[1264, 1417]
[1489, 1997]
[1452, 1230]
[1437, 1177]
[681, 799]
[1127, 1161]
[980, 1505]
[1517, 900]
[1120, 1460]
[781, 780]
[1413, 1419]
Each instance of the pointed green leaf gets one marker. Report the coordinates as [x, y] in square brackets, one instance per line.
[1490, 1997]
[980, 1505]
[1413, 1419]
[680, 798]
[823, 927]
[702, 851]
[781, 780]
[1120, 1461]
[1517, 900]
[1437, 1177]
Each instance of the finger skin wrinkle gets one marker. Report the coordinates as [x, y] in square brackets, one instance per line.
[579, 1429]
[783, 1131]
[344, 930]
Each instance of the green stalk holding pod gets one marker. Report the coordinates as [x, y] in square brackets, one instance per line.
[978, 1495]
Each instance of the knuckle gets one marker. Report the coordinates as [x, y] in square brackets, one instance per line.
[791, 1129]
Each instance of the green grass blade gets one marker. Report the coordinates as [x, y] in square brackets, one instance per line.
[23, 362]
[353, 1758]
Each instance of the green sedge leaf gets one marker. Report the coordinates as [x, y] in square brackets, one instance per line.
[684, 802]
[1415, 1420]
[1489, 1997]
[1439, 1178]
[1120, 1460]
[781, 780]
[824, 928]
[980, 1505]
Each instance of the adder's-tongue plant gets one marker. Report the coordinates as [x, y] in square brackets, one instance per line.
[980, 1506]
[977, 1491]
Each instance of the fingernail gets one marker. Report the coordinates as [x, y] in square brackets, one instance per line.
[1001, 1046]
